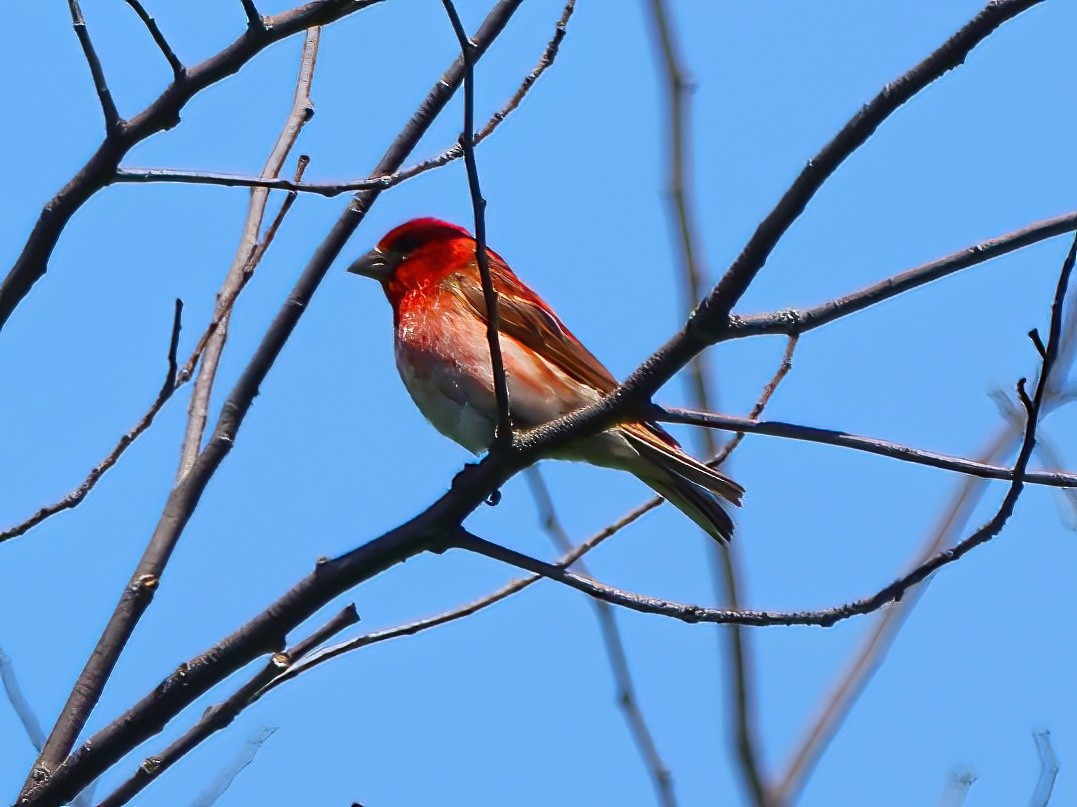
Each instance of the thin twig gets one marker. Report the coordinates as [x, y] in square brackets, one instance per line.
[139, 592]
[244, 757]
[75, 497]
[726, 575]
[503, 430]
[1049, 769]
[23, 710]
[784, 367]
[113, 122]
[301, 112]
[221, 715]
[380, 182]
[627, 699]
[774, 428]
[179, 72]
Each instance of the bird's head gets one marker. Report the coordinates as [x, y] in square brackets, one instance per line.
[420, 245]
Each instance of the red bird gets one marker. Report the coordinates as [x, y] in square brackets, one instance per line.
[429, 273]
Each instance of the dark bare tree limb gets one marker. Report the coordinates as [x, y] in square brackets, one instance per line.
[113, 122]
[179, 72]
[221, 715]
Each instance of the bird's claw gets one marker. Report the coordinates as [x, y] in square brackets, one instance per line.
[494, 499]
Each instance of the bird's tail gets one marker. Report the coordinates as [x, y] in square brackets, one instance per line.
[687, 484]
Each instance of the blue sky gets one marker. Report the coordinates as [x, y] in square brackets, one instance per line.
[515, 705]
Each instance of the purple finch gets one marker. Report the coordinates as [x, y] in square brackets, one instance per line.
[429, 272]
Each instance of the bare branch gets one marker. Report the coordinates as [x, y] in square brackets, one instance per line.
[221, 715]
[795, 321]
[160, 115]
[75, 497]
[726, 576]
[764, 398]
[870, 445]
[23, 710]
[627, 698]
[1049, 769]
[503, 429]
[179, 72]
[381, 182]
[113, 122]
[245, 259]
[234, 768]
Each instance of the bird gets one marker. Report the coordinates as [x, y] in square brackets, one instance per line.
[429, 272]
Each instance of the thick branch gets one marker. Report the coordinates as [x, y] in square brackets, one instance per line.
[726, 575]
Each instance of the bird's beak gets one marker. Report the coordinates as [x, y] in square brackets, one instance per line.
[374, 265]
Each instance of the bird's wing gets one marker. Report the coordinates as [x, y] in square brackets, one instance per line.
[523, 316]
